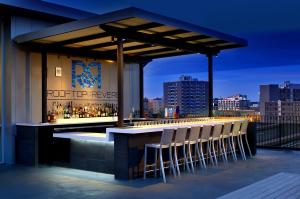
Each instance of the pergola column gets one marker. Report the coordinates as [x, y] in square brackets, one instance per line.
[120, 63]
[44, 87]
[210, 84]
[141, 79]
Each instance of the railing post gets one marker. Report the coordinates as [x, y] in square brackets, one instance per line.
[280, 130]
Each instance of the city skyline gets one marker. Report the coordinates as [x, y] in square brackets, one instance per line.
[223, 88]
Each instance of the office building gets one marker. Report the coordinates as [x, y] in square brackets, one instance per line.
[190, 94]
[279, 100]
[235, 103]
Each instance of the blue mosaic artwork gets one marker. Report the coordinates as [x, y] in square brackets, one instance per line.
[86, 79]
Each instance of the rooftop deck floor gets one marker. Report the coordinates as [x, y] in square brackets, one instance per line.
[55, 182]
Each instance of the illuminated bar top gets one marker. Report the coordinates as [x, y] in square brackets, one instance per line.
[160, 127]
[73, 121]
[83, 136]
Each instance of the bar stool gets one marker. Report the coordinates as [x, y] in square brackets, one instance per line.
[193, 140]
[180, 141]
[204, 138]
[216, 137]
[165, 142]
[236, 135]
[243, 132]
[226, 135]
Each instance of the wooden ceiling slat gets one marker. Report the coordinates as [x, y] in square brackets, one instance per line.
[80, 39]
[143, 26]
[214, 42]
[153, 39]
[141, 50]
[170, 54]
[229, 46]
[144, 53]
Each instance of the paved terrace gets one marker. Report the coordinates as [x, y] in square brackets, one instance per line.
[54, 182]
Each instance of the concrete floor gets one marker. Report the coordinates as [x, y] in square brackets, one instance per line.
[54, 182]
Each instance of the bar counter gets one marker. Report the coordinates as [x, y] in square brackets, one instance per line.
[86, 146]
[129, 143]
[159, 127]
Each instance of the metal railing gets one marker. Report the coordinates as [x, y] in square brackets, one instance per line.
[278, 132]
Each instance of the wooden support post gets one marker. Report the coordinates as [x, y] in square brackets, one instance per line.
[210, 85]
[44, 87]
[120, 63]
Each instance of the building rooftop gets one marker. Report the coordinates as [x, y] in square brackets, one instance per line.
[38, 7]
[57, 182]
[146, 36]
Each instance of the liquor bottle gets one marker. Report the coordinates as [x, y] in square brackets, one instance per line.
[65, 113]
[49, 116]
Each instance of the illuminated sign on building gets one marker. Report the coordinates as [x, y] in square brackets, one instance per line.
[87, 78]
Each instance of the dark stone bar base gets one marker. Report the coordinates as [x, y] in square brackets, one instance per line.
[129, 153]
[35, 143]
[85, 155]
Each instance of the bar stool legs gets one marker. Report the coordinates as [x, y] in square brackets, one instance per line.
[145, 162]
[233, 148]
[214, 152]
[162, 168]
[176, 161]
[221, 150]
[241, 147]
[186, 165]
[247, 143]
[202, 155]
[171, 162]
[224, 150]
[155, 162]
[191, 158]
[209, 152]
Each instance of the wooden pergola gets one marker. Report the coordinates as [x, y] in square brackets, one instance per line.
[129, 35]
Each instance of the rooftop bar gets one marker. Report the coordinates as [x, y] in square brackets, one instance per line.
[85, 79]
[129, 142]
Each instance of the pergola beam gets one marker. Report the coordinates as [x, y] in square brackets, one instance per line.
[169, 55]
[108, 44]
[152, 51]
[77, 52]
[153, 39]
[80, 39]
[144, 26]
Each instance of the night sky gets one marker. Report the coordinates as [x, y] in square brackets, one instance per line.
[271, 27]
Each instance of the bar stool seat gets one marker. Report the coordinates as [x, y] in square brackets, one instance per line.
[204, 139]
[243, 133]
[216, 137]
[157, 146]
[165, 143]
[193, 142]
[226, 136]
[180, 138]
[236, 135]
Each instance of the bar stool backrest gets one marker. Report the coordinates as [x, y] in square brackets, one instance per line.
[244, 127]
[236, 127]
[217, 130]
[194, 133]
[166, 137]
[227, 128]
[205, 134]
[180, 135]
